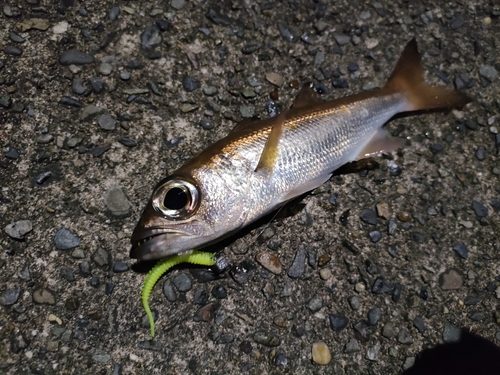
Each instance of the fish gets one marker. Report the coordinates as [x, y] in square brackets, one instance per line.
[262, 164]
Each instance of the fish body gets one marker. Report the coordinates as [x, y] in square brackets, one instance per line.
[262, 164]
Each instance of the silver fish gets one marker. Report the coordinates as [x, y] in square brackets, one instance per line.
[262, 164]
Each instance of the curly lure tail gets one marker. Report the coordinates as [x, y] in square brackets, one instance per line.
[195, 257]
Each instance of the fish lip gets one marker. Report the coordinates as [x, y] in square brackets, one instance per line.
[144, 242]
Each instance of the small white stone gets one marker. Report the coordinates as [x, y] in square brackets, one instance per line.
[133, 357]
[61, 27]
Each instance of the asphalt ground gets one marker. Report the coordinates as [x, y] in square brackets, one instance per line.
[379, 264]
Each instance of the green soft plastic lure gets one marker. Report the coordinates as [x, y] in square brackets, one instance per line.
[195, 257]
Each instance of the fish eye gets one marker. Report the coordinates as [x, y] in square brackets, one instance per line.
[176, 199]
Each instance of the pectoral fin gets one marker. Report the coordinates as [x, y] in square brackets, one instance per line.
[380, 142]
[269, 154]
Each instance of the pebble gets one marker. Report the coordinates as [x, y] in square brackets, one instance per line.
[315, 304]
[43, 296]
[404, 216]
[352, 67]
[461, 249]
[76, 57]
[60, 27]
[178, 4]
[78, 87]
[364, 15]
[266, 338]
[127, 142]
[325, 274]
[97, 84]
[371, 43]
[15, 37]
[113, 13]
[419, 323]
[70, 102]
[190, 83]
[106, 122]
[383, 210]
[340, 83]
[479, 209]
[270, 261]
[150, 39]
[352, 346]
[373, 352]
[170, 293]
[105, 69]
[125, 76]
[5, 102]
[248, 93]
[117, 202]
[78, 254]
[120, 267]
[457, 22]
[375, 236]
[321, 353]
[341, 39]
[354, 302]
[18, 343]
[488, 72]
[207, 312]
[381, 286]
[67, 274]
[374, 315]
[389, 330]
[286, 33]
[12, 50]
[396, 293]
[183, 282]
[25, 273]
[275, 79]
[65, 239]
[11, 11]
[102, 357]
[219, 292]
[480, 153]
[90, 112]
[19, 229]
[251, 47]
[85, 268]
[404, 337]
[451, 333]
[162, 24]
[417, 237]
[338, 321]
[451, 279]
[10, 296]
[298, 267]
[247, 110]
[101, 257]
[241, 272]
[210, 90]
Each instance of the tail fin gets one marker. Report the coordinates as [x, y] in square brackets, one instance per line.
[408, 79]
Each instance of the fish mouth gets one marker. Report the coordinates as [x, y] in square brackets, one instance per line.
[148, 244]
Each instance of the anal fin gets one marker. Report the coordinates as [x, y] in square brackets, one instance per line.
[310, 185]
[379, 143]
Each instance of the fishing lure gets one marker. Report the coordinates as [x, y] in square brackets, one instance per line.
[195, 257]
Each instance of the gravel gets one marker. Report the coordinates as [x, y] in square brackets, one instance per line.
[126, 120]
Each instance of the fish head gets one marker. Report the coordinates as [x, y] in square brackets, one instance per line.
[185, 213]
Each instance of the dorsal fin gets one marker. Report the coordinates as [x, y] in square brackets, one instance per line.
[306, 97]
[244, 123]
